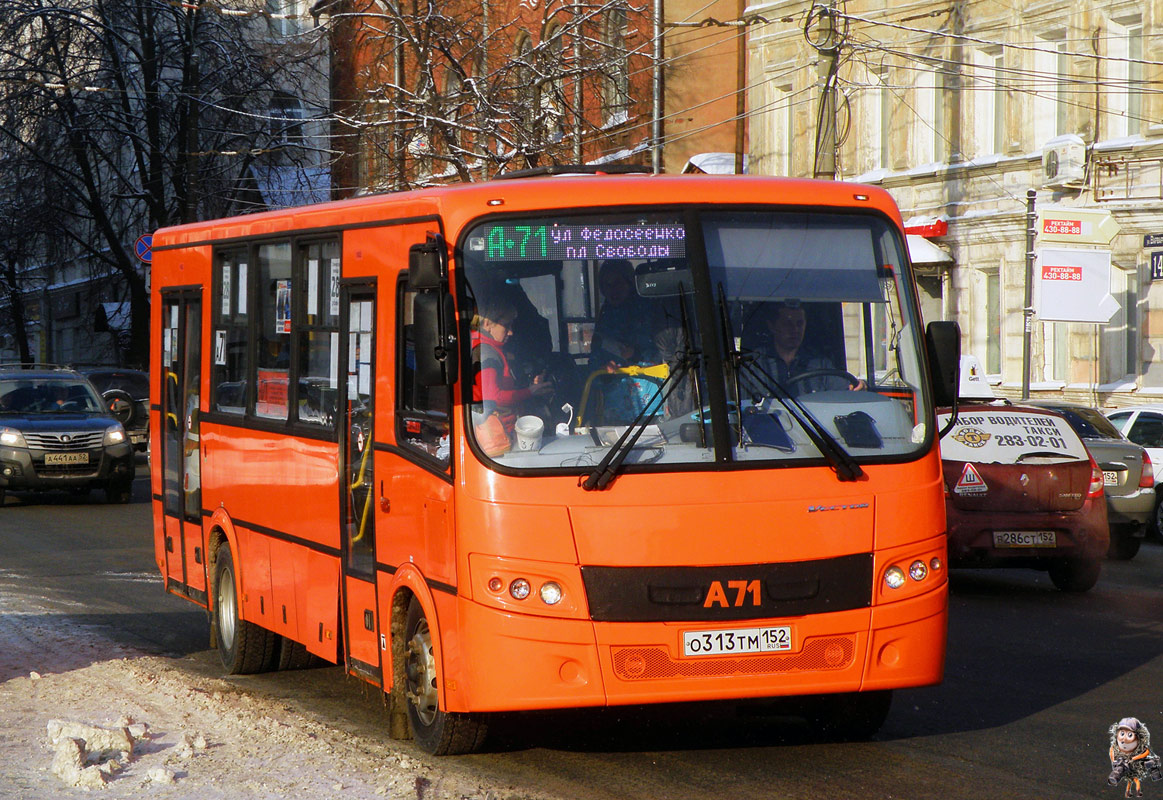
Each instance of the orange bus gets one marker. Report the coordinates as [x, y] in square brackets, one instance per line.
[538, 443]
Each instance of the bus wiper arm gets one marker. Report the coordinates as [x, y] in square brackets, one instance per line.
[608, 467]
[846, 467]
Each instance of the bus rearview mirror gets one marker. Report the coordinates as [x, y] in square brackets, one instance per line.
[426, 265]
[943, 344]
[434, 332]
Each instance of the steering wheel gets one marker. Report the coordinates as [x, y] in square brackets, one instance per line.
[853, 381]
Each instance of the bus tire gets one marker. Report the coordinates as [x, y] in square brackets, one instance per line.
[850, 717]
[245, 648]
[436, 731]
[1074, 575]
[294, 655]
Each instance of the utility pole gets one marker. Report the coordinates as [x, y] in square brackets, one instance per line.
[741, 90]
[1028, 306]
[827, 42]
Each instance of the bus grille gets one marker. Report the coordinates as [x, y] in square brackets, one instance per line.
[652, 663]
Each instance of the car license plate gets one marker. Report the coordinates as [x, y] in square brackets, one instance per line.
[66, 458]
[734, 642]
[1110, 477]
[1024, 539]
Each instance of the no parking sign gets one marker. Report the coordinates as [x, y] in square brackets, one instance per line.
[144, 247]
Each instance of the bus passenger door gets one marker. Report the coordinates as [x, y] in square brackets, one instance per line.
[357, 445]
[181, 450]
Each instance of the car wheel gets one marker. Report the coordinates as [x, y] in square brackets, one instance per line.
[1156, 526]
[245, 648]
[436, 731]
[119, 490]
[1072, 575]
[849, 717]
[1124, 544]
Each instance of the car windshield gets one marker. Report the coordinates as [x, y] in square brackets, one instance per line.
[48, 396]
[133, 383]
[730, 336]
[1089, 423]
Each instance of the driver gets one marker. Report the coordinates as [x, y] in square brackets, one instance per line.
[786, 357]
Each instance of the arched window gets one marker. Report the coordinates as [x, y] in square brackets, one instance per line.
[616, 97]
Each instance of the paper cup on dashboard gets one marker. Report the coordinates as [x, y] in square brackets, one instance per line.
[529, 429]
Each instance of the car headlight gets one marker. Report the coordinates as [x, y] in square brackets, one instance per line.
[115, 435]
[10, 437]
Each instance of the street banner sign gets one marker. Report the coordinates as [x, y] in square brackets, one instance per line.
[1076, 225]
[1073, 285]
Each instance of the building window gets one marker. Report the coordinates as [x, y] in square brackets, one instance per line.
[616, 97]
[924, 108]
[287, 16]
[993, 314]
[1119, 354]
[1049, 88]
[286, 119]
[889, 102]
[988, 102]
[1124, 85]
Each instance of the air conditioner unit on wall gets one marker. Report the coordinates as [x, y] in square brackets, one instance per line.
[1064, 162]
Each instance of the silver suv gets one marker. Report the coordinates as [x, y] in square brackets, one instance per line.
[56, 433]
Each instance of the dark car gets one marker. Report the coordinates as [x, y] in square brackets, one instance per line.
[1126, 471]
[126, 394]
[57, 433]
[1023, 491]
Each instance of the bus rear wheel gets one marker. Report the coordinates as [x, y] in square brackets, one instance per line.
[245, 648]
[436, 731]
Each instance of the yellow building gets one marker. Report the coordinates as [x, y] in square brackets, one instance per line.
[960, 111]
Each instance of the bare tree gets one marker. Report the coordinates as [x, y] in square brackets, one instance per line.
[136, 114]
[460, 90]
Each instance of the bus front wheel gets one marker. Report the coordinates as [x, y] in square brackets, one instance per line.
[435, 731]
[850, 717]
[245, 648]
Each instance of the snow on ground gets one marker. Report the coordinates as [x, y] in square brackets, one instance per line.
[195, 738]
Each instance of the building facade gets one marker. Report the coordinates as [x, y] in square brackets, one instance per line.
[966, 113]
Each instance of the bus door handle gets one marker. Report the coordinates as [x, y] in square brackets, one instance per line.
[385, 503]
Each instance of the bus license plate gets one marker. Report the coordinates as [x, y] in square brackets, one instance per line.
[1024, 539]
[733, 642]
[66, 458]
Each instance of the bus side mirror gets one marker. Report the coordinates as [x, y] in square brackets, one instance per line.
[426, 265]
[434, 332]
[943, 340]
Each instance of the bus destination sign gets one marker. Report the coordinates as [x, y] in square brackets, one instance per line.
[547, 242]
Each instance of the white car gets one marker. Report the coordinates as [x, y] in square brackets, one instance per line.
[1143, 425]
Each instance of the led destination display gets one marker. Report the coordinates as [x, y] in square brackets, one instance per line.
[548, 242]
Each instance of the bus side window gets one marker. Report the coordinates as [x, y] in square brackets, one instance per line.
[230, 336]
[422, 412]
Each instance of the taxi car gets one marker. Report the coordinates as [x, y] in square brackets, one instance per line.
[1022, 490]
[57, 433]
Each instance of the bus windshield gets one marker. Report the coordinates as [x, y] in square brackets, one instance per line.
[768, 337]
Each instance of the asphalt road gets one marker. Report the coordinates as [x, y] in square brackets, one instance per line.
[1034, 678]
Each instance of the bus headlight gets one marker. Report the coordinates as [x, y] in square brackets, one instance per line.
[551, 593]
[519, 589]
[918, 570]
[894, 577]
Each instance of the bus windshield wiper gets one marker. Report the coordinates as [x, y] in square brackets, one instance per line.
[841, 461]
[608, 467]
[845, 466]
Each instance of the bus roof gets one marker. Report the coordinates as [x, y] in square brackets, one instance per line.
[459, 203]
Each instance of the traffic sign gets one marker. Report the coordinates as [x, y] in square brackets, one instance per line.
[1076, 225]
[1073, 285]
[144, 247]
